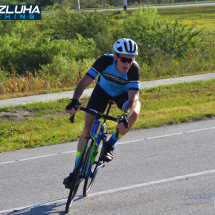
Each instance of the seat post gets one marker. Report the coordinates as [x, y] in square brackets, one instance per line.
[109, 106]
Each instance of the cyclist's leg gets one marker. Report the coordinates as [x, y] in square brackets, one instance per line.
[89, 119]
[98, 101]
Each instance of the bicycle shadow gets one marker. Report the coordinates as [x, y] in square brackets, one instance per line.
[77, 198]
[46, 209]
[56, 208]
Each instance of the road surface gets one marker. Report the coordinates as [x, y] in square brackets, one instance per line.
[167, 170]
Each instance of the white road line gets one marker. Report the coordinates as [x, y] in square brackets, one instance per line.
[169, 135]
[114, 190]
[152, 183]
[27, 159]
[149, 138]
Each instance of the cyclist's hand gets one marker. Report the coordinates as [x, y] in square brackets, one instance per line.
[122, 122]
[73, 107]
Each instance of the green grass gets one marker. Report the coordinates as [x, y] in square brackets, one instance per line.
[201, 16]
[47, 124]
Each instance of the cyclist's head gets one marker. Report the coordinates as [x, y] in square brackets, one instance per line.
[125, 46]
[125, 51]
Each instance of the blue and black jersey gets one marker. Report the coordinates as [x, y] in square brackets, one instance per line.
[111, 80]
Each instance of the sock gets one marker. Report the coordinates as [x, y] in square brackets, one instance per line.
[77, 156]
[76, 159]
[113, 139]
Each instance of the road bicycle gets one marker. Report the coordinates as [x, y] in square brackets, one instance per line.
[90, 160]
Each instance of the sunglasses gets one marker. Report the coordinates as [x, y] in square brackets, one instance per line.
[124, 59]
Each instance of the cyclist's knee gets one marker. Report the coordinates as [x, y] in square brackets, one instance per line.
[87, 129]
[88, 123]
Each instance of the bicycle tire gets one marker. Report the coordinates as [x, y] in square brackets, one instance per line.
[77, 178]
[89, 181]
[87, 155]
[71, 196]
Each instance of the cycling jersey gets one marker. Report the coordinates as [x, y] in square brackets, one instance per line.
[111, 80]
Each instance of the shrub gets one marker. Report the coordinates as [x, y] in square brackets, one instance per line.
[96, 25]
[16, 54]
[163, 37]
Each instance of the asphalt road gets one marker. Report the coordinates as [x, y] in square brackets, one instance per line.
[166, 170]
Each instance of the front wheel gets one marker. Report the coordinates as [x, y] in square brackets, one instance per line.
[77, 178]
[72, 194]
[89, 181]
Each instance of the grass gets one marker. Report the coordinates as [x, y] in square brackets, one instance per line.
[19, 86]
[201, 16]
[162, 68]
[46, 123]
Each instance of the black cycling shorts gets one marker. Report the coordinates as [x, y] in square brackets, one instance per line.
[99, 99]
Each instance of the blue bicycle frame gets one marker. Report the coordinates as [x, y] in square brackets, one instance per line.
[96, 140]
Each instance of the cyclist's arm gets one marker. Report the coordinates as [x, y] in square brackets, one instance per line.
[133, 97]
[99, 65]
[82, 85]
[134, 86]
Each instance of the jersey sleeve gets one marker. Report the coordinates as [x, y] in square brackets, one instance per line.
[99, 66]
[134, 77]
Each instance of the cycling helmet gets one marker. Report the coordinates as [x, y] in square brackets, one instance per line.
[125, 46]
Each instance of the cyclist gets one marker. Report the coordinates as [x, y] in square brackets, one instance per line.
[118, 81]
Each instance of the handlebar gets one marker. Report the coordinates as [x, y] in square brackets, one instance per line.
[98, 115]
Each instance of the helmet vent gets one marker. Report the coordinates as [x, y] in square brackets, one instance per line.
[119, 49]
[130, 48]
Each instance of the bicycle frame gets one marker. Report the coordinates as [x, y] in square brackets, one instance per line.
[96, 138]
[83, 168]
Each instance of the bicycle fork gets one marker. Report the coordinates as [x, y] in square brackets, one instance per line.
[102, 135]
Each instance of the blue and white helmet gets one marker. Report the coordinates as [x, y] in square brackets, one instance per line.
[125, 46]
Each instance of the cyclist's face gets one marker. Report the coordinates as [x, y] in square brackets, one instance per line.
[124, 62]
